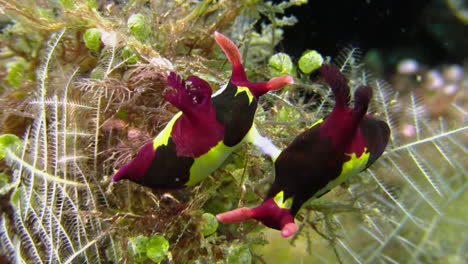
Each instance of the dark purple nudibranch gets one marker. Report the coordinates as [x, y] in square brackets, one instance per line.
[207, 129]
[342, 144]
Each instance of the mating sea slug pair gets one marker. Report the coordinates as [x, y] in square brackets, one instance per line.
[208, 129]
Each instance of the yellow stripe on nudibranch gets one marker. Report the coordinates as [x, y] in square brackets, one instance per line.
[205, 164]
[355, 164]
[213, 159]
[350, 167]
[241, 89]
[279, 197]
[316, 123]
[163, 137]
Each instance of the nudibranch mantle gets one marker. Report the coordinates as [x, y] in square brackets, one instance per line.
[209, 127]
[331, 150]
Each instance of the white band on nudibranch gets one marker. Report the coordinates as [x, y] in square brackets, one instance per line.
[263, 143]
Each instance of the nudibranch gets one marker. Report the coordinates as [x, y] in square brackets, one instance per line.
[331, 150]
[208, 128]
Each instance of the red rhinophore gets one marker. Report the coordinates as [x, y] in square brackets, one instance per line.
[238, 76]
[338, 83]
[234, 216]
[343, 123]
[234, 57]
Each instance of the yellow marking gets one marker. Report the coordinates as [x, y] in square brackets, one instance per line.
[279, 197]
[241, 89]
[209, 162]
[351, 167]
[163, 137]
[212, 160]
[316, 123]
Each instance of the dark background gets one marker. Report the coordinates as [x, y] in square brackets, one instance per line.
[425, 30]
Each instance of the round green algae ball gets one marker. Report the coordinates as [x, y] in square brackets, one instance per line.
[139, 26]
[129, 55]
[310, 61]
[92, 38]
[9, 141]
[16, 71]
[239, 254]
[137, 248]
[209, 225]
[280, 64]
[157, 248]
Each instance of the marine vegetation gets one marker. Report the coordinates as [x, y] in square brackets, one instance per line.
[86, 84]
